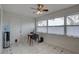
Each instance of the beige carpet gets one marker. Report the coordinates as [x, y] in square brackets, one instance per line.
[37, 48]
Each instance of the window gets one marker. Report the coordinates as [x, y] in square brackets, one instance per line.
[42, 29]
[42, 23]
[73, 31]
[73, 20]
[56, 22]
[73, 25]
[42, 26]
[56, 26]
[56, 30]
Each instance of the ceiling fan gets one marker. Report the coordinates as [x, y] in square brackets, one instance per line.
[40, 9]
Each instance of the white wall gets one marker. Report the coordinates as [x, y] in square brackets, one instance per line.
[0, 28]
[20, 25]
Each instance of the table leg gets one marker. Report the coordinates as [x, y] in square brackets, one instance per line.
[28, 39]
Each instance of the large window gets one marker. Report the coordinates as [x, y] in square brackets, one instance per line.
[56, 30]
[56, 26]
[73, 20]
[56, 22]
[69, 27]
[42, 23]
[73, 25]
[42, 26]
[73, 31]
[42, 29]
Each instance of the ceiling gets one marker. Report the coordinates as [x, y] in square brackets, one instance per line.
[25, 9]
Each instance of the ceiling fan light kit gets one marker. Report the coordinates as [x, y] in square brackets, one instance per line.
[39, 12]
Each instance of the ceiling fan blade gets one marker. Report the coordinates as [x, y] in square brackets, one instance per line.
[45, 10]
[40, 5]
[33, 8]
